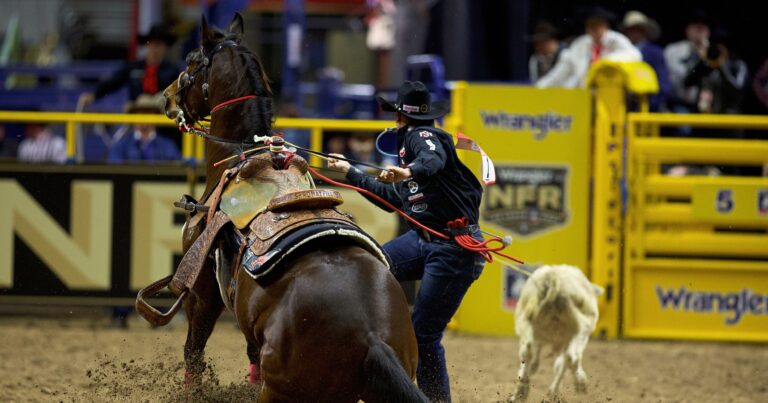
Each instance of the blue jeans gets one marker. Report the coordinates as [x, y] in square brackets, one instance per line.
[446, 271]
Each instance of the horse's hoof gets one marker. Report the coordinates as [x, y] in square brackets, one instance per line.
[191, 380]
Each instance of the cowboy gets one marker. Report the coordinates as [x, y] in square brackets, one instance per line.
[642, 31]
[144, 143]
[434, 187]
[149, 75]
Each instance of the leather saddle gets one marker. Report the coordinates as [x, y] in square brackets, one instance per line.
[268, 199]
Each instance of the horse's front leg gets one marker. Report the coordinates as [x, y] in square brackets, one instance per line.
[203, 308]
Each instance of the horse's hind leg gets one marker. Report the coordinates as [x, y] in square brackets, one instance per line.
[254, 369]
[203, 308]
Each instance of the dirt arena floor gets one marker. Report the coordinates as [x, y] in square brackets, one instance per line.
[73, 358]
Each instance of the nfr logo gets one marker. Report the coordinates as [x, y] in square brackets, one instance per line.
[724, 203]
[527, 199]
[762, 201]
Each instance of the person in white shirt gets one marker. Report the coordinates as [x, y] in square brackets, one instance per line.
[599, 42]
[681, 57]
[40, 145]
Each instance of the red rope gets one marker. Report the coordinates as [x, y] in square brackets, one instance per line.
[231, 101]
[466, 241]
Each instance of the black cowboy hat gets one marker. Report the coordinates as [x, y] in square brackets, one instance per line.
[600, 13]
[414, 101]
[160, 33]
[697, 16]
[542, 32]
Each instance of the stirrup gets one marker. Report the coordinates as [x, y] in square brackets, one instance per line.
[152, 314]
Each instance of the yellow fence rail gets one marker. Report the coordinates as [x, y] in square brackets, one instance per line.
[695, 246]
[192, 147]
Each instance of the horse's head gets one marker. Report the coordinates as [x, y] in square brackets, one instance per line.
[221, 70]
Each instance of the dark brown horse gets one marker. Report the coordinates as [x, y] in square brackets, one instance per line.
[333, 325]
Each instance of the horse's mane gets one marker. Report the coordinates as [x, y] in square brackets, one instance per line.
[258, 113]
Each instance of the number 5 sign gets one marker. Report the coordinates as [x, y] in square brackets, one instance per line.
[731, 203]
[724, 202]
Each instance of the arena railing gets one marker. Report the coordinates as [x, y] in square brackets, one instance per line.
[193, 148]
[696, 245]
[612, 83]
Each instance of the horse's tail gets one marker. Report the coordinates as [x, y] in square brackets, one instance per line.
[386, 379]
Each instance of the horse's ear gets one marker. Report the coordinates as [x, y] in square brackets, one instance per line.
[206, 33]
[236, 27]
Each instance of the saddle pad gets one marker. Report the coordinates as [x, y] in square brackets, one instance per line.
[258, 266]
[244, 199]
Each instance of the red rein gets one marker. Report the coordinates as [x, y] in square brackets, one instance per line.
[231, 101]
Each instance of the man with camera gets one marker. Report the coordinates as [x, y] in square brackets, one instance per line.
[720, 78]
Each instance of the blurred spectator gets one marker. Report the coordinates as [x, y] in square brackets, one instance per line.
[362, 147]
[40, 145]
[335, 143]
[8, 145]
[642, 31]
[719, 78]
[146, 76]
[760, 85]
[144, 144]
[412, 25]
[546, 50]
[681, 57]
[381, 35]
[600, 42]
[328, 98]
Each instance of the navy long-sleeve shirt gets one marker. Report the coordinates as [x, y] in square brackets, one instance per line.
[654, 56]
[441, 188]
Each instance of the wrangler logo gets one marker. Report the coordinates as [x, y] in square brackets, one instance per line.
[540, 125]
[732, 304]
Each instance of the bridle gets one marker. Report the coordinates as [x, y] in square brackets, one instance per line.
[187, 80]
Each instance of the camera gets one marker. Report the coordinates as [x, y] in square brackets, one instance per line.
[713, 51]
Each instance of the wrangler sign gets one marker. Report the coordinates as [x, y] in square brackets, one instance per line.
[539, 141]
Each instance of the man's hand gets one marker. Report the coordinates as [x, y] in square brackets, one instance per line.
[340, 165]
[394, 174]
